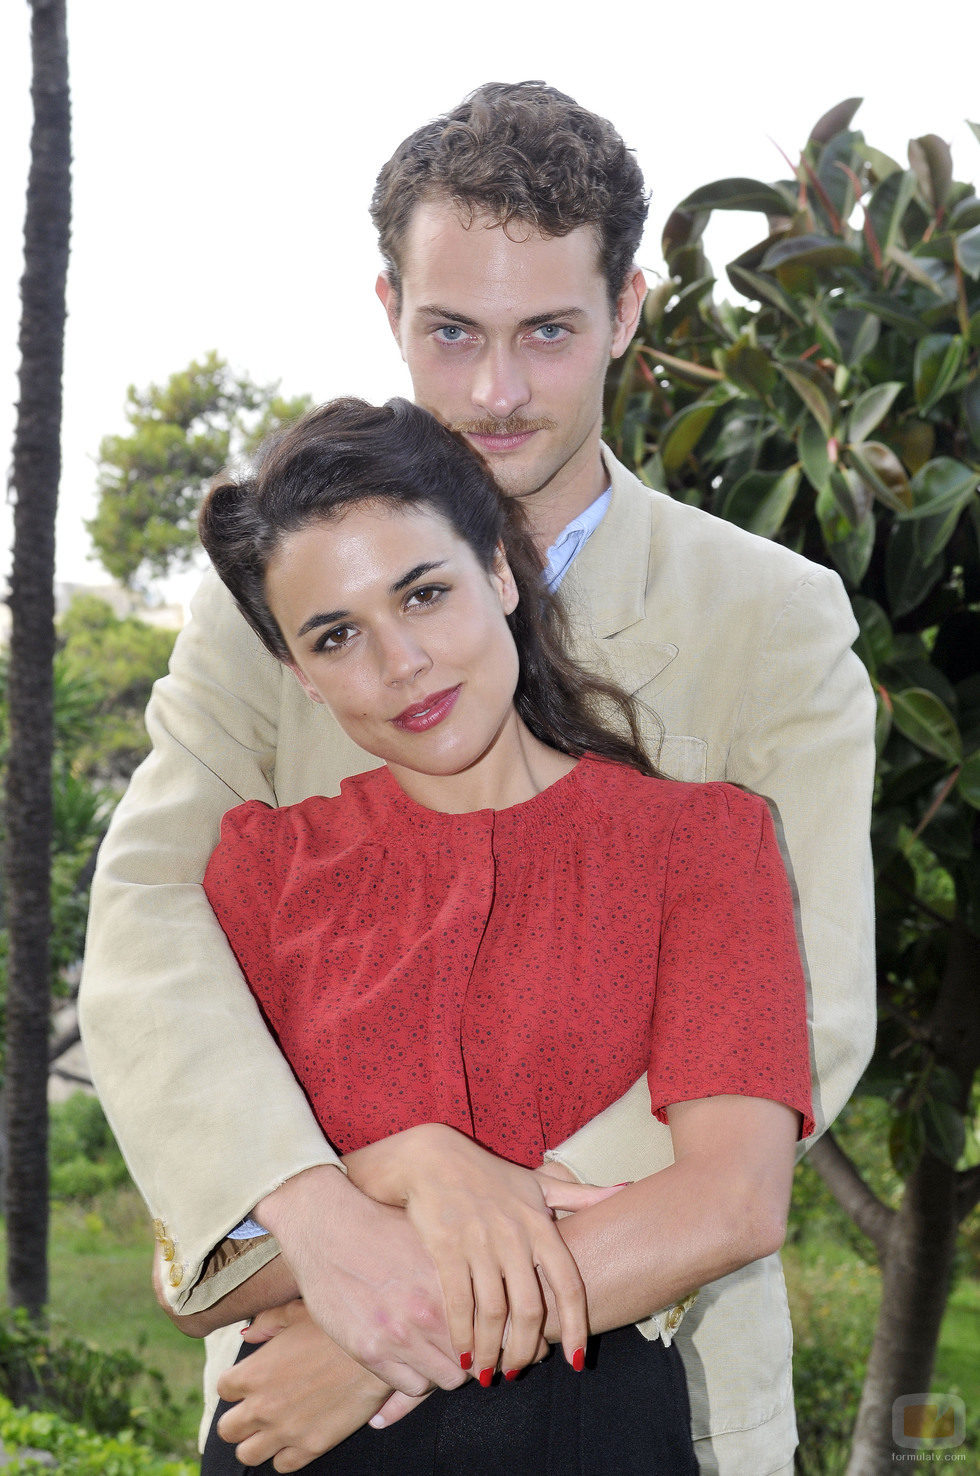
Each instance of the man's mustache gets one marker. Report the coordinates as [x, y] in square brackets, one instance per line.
[514, 425]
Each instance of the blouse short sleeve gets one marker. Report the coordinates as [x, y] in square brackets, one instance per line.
[730, 1009]
[242, 882]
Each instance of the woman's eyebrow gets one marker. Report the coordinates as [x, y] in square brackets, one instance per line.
[332, 617]
[416, 573]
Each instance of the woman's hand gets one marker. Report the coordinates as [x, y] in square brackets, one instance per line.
[489, 1227]
[297, 1396]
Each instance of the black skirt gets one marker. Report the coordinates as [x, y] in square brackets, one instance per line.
[626, 1414]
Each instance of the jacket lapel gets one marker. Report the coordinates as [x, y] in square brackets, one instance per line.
[605, 590]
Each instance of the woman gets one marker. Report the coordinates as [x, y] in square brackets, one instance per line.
[489, 939]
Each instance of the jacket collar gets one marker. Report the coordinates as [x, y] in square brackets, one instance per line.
[608, 579]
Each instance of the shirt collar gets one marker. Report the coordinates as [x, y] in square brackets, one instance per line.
[572, 538]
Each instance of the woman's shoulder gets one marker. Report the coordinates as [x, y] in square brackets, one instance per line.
[626, 793]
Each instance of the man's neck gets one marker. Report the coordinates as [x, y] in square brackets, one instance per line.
[551, 508]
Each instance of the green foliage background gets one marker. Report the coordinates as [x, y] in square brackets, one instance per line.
[181, 434]
[835, 406]
[831, 401]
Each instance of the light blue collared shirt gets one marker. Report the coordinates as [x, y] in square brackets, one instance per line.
[572, 539]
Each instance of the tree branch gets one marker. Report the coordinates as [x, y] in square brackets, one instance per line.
[63, 1043]
[845, 1183]
[967, 1191]
[66, 1075]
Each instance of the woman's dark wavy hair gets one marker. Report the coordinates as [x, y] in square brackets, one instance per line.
[348, 452]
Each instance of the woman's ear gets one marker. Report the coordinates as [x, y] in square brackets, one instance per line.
[304, 681]
[503, 581]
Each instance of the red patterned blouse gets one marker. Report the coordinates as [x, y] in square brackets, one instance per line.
[513, 972]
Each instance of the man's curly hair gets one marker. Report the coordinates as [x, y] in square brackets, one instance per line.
[522, 153]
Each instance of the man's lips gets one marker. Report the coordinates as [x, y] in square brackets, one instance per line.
[426, 714]
[501, 435]
[497, 442]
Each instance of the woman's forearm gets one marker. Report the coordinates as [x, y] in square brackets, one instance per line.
[722, 1204]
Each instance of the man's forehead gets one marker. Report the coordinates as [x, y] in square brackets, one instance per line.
[450, 252]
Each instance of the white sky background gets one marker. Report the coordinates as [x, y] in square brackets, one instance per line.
[225, 153]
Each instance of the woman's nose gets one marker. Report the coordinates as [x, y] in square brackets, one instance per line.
[402, 658]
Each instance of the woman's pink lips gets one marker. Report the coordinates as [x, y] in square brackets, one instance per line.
[426, 714]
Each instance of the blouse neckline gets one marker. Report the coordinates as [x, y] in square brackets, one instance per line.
[571, 794]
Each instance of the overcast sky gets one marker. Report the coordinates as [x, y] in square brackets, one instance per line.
[225, 152]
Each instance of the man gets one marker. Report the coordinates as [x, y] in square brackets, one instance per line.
[509, 232]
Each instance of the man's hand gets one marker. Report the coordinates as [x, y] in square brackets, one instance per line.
[297, 1396]
[489, 1226]
[365, 1278]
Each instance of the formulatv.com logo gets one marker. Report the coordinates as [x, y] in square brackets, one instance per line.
[925, 1422]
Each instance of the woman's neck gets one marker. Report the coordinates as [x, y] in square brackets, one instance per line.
[516, 767]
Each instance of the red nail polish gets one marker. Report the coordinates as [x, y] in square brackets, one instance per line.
[511, 1374]
[578, 1360]
[466, 1361]
[243, 1330]
[486, 1377]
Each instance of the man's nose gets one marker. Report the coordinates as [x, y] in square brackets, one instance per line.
[501, 385]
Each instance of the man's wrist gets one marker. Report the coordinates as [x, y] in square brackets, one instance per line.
[314, 1188]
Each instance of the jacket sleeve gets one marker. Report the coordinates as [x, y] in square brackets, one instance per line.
[802, 736]
[805, 741]
[205, 1108]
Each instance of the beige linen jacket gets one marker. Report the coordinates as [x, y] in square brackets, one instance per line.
[740, 648]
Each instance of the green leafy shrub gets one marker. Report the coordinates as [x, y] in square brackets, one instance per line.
[827, 1377]
[76, 1449]
[84, 1158]
[71, 1379]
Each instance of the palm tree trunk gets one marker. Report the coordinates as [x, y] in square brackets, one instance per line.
[36, 474]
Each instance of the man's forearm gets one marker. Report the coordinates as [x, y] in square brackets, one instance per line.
[205, 1109]
[272, 1286]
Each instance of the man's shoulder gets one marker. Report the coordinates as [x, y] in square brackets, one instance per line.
[679, 534]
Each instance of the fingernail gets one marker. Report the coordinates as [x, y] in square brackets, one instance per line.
[243, 1330]
[578, 1360]
[511, 1374]
[486, 1377]
[376, 1422]
[624, 1185]
[466, 1361]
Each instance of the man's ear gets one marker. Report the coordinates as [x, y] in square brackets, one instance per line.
[304, 682]
[388, 297]
[629, 306]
